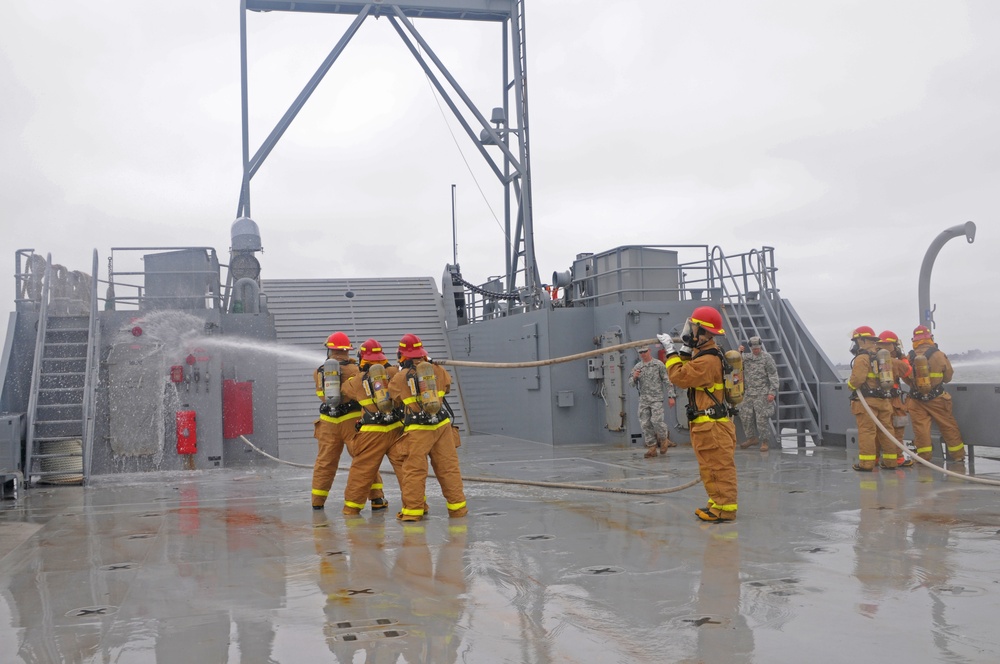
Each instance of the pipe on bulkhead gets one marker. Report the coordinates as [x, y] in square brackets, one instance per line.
[926, 315]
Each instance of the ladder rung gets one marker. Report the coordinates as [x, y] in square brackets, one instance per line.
[59, 389]
[56, 456]
[37, 422]
[55, 439]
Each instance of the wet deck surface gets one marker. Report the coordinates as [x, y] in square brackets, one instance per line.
[823, 564]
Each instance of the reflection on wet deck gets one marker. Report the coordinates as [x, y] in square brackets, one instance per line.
[823, 564]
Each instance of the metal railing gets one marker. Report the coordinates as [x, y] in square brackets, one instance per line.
[91, 377]
[36, 370]
[213, 297]
[757, 275]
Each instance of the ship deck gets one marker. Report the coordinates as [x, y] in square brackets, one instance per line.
[823, 564]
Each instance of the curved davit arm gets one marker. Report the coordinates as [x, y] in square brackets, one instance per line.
[968, 229]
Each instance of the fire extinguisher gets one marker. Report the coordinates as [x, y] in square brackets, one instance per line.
[187, 432]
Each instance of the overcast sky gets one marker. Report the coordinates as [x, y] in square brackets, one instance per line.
[845, 134]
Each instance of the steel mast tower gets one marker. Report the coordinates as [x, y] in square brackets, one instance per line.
[513, 170]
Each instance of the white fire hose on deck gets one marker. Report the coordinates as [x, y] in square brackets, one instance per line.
[500, 480]
[871, 414]
[550, 485]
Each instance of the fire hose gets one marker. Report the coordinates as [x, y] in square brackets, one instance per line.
[925, 462]
[550, 485]
[501, 480]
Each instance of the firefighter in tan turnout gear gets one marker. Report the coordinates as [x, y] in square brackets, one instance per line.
[928, 401]
[699, 366]
[379, 427]
[337, 417]
[419, 389]
[649, 376]
[865, 378]
[888, 340]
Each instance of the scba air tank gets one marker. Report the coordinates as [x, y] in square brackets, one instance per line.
[922, 374]
[883, 361]
[331, 382]
[734, 377]
[427, 386]
[378, 384]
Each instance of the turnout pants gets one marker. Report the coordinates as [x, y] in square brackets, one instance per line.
[938, 411]
[871, 439]
[714, 445]
[410, 453]
[367, 451]
[332, 437]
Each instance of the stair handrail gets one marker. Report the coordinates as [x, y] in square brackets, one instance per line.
[90, 376]
[36, 368]
[720, 269]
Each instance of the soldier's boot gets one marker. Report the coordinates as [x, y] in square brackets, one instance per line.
[651, 451]
[763, 446]
[749, 442]
[665, 443]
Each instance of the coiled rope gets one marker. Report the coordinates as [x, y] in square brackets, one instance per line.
[925, 462]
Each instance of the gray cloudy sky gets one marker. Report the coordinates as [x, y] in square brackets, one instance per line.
[845, 134]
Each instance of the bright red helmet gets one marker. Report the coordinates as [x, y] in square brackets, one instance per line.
[888, 337]
[922, 333]
[709, 318]
[411, 347]
[339, 341]
[863, 332]
[371, 351]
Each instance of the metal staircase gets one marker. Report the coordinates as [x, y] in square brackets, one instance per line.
[753, 308]
[59, 424]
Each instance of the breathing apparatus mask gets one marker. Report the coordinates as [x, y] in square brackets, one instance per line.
[690, 335]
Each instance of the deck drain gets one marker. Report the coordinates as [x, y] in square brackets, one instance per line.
[116, 567]
[362, 624]
[650, 502]
[321, 525]
[492, 514]
[358, 592]
[92, 612]
[150, 514]
[956, 590]
[140, 536]
[703, 621]
[334, 553]
[535, 538]
[815, 549]
[602, 570]
[354, 637]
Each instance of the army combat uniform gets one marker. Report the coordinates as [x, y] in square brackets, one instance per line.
[760, 379]
[651, 383]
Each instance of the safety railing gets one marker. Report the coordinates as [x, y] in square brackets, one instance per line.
[36, 369]
[137, 296]
[757, 275]
[90, 377]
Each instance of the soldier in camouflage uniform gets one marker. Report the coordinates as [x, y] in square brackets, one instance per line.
[650, 377]
[760, 379]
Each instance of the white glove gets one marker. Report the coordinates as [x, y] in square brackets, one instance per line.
[666, 342]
